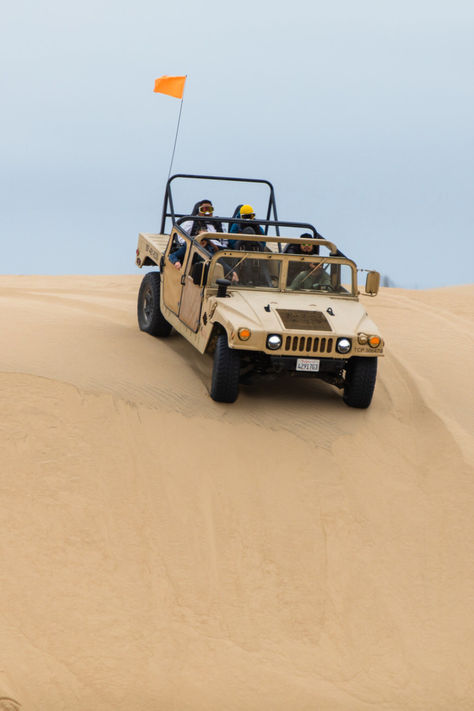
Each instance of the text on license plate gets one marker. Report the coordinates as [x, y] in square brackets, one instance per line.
[308, 364]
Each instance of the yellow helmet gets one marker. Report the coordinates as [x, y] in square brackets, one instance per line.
[247, 210]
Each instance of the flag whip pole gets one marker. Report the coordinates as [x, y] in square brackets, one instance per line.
[177, 129]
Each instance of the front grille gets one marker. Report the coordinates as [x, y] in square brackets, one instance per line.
[308, 344]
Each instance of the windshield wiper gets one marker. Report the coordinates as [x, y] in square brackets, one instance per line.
[237, 265]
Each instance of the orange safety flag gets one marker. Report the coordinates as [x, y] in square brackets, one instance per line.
[173, 86]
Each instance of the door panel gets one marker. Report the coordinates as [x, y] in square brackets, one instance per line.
[174, 278]
[191, 297]
[172, 287]
[191, 300]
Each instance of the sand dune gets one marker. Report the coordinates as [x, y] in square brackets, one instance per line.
[161, 551]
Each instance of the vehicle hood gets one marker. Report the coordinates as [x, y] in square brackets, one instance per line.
[258, 309]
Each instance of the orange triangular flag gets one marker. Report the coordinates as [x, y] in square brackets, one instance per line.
[173, 86]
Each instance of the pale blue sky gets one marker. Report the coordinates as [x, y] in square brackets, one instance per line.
[361, 114]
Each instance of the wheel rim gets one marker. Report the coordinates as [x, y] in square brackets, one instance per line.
[147, 308]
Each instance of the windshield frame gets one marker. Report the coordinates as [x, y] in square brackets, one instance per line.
[285, 260]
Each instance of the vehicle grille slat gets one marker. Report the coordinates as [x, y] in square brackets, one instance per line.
[309, 345]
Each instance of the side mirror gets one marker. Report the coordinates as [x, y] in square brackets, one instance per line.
[222, 285]
[372, 283]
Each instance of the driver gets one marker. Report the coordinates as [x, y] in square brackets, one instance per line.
[312, 277]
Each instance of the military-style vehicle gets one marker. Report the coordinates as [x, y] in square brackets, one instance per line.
[258, 304]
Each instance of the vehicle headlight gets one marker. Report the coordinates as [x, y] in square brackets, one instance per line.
[375, 341]
[343, 345]
[273, 341]
[363, 338]
[244, 334]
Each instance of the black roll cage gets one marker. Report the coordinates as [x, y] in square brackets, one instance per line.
[169, 211]
[334, 251]
[264, 223]
[168, 200]
[178, 218]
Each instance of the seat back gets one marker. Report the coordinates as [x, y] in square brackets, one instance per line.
[218, 274]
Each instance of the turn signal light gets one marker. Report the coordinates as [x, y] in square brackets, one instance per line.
[374, 341]
[244, 334]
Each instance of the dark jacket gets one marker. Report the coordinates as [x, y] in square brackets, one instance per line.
[178, 255]
[296, 249]
[245, 227]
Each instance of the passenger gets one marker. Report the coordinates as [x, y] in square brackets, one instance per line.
[235, 216]
[305, 247]
[246, 223]
[301, 249]
[176, 258]
[212, 248]
[203, 208]
[252, 272]
[246, 245]
[312, 277]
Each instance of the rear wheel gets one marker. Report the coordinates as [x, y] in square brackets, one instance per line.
[150, 318]
[361, 374]
[225, 373]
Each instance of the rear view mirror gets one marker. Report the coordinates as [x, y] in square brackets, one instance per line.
[372, 283]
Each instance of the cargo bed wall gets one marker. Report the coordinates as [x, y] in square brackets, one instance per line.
[150, 248]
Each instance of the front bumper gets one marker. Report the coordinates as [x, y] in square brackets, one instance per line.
[288, 363]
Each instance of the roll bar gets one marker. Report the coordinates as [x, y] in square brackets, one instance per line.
[317, 239]
[168, 205]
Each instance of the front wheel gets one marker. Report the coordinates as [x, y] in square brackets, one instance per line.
[225, 373]
[361, 374]
[150, 318]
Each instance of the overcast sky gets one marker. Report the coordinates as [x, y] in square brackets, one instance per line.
[360, 113]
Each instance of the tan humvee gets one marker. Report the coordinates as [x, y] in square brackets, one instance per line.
[259, 309]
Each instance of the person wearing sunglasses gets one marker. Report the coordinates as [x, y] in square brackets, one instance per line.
[305, 247]
[204, 208]
[246, 224]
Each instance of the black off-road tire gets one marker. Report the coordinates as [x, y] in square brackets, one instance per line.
[225, 373]
[361, 374]
[150, 318]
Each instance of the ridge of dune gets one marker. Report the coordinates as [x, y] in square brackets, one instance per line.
[435, 343]
[160, 550]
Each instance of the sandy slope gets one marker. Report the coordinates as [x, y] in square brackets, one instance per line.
[162, 552]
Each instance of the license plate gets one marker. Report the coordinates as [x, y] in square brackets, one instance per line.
[308, 364]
